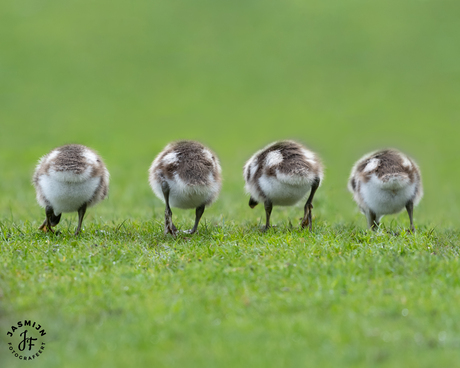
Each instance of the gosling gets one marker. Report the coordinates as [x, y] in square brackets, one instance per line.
[383, 183]
[281, 174]
[68, 179]
[185, 175]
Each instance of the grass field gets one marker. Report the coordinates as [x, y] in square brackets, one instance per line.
[126, 78]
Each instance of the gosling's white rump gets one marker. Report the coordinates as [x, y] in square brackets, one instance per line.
[281, 174]
[385, 182]
[385, 198]
[66, 196]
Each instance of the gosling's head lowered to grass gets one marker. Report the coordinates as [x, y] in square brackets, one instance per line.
[281, 174]
[68, 179]
[383, 183]
[186, 174]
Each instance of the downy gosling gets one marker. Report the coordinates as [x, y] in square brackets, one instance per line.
[185, 175]
[281, 174]
[68, 179]
[383, 183]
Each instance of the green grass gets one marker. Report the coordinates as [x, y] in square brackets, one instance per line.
[125, 79]
[231, 296]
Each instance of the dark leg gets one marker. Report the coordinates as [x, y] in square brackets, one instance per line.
[43, 226]
[252, 202]
[268, 211]
[51, 220]
[307, 220]
[169, 226]
[81, 214]
[410, 210]
[199, 213]
[54, 220]
[372, 220]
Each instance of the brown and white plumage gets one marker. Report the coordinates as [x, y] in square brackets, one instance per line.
[68, 179]
[385, 182]
[186, 174]
[281, 174]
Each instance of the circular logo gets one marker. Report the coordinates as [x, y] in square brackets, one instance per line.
[26, 340]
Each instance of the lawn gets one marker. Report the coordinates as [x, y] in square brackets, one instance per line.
[125, 79]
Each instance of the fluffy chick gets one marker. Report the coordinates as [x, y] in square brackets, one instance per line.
[186, 174]
[68, 179]
[281, 174]
[383, 183]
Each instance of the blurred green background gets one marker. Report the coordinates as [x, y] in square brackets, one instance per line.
[128, 77]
